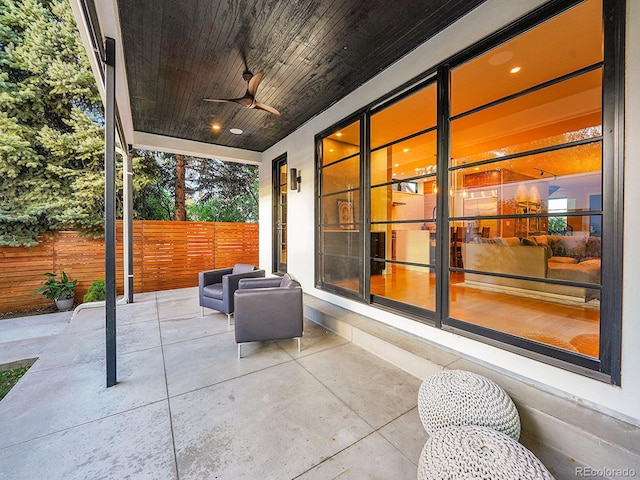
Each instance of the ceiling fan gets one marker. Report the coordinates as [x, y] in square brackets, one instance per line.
[249, 98]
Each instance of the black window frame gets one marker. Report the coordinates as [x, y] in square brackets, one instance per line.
[607, 367]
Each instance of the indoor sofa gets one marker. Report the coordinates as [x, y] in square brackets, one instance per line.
[570, 258]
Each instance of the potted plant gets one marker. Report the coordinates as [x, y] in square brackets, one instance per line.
[96, 292]
[61, 291]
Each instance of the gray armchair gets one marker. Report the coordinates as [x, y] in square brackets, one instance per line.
[268, 309]
[216, 287]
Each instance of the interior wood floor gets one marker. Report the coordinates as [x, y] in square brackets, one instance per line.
[570, 325]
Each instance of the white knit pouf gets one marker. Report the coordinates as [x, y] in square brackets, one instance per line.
[457, 397]
[471, 452]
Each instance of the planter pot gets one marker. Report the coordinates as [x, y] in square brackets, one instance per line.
[64, 304]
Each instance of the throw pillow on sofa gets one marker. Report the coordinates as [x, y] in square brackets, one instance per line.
[574, 247]
[593, 248]
[542, 241]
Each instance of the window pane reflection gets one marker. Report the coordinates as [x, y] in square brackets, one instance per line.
[410, 115]
[564, 44]
[341, 144]
[526, 185]
[562, 113]
[543, 313]
[402, 263]
[344, 175]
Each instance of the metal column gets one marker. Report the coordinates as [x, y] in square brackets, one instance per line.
[109, 210]
[128, 224]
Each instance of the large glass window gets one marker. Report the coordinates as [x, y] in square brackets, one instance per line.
[507, 141]
[341, 252]
[538, 138]
[403, 201]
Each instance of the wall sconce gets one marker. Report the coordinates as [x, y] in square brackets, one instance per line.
[295, 179]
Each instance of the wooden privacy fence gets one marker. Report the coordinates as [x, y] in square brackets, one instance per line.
[166, 255]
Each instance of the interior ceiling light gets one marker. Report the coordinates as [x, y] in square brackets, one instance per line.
[236, 131]
[542, 172]
[215, 127]
[515, 70]
[339, 134]
[500, 58]
[405, 150]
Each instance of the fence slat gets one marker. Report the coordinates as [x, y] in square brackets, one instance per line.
[166, 255]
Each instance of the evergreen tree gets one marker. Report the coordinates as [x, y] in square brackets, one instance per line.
[229, 190]
[51, 124]
[153, 185]
[52, 147]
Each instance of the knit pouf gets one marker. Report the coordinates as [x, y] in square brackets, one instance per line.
[457, 397]
[471, 452]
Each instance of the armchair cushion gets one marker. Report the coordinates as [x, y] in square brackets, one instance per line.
[247, 283]
[216, 287]
[243, 268]
[213, 291]
[286, 281]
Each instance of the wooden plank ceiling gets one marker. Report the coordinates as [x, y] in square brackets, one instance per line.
[312, 54]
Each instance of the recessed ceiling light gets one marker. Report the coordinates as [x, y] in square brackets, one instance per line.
[331, 149]
[405, 150]
[236, 131]
[215, 127]
[515, 70]
[339, 134]
[396, 164]
[500, 57]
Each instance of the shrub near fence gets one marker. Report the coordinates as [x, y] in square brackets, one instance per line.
[166, 255]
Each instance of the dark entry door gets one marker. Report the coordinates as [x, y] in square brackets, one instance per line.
[280, 214]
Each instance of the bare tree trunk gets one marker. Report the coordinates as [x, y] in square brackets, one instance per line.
[181, 212]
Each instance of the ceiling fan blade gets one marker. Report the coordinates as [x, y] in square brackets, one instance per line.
[248, 100]
[253, 84]
[266, 108]
[244, 101]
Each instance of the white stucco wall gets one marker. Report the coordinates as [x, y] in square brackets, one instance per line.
[622, 401]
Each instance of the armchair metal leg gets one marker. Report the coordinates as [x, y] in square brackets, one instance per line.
[299, 344]
[229, 319]
[239, 352]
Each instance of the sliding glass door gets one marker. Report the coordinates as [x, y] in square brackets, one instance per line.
[403, 188]
[526, 136]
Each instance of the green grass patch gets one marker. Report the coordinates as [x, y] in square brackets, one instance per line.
[9, 378]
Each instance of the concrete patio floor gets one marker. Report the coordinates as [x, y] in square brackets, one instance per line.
[186, 408]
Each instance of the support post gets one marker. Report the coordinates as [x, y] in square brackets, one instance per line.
[109, 210]
[128, 224]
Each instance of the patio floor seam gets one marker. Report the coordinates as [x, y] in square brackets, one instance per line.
[334, 455]
[82, 424]
[166, 386]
